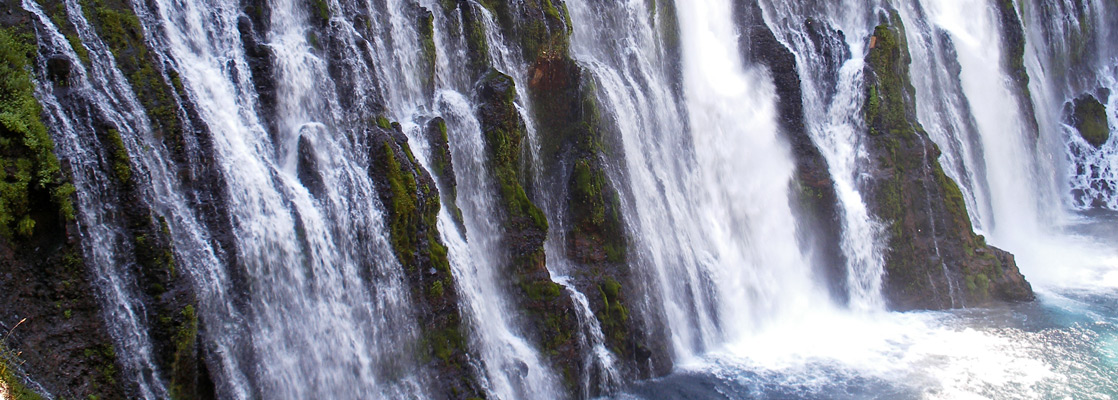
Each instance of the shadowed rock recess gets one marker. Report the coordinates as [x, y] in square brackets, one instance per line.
[559, 197]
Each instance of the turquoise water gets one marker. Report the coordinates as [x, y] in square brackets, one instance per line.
[1064, 345]
[1061, 346]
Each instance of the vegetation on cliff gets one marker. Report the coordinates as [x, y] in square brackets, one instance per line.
[45, 284]
[525, 224]
[935, 259]
[411, 199]
[29, 170]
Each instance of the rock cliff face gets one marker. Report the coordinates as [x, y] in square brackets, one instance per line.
[62, 341]
[63, 345]
[935, 260]
[411, 197]
[815, 189]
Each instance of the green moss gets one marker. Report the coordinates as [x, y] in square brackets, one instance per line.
[614, 315]
[588, 186]
[185, 339]
[122, 166]
[9, 379]
[542, 290]
[503, 140]
[1089, 118]
[122, 31]
[595, 211]
[383, 122]
[978, 285]
[103, 359]
[885, 101]
[444, 343]
[320, 10]
[952, 197]
[176, 82]
[437, 289]
[61, 19]
[402, 223]
[440, 160]
[79, 48]
[312, 39]
[477, 44]
[27, 161]
[153, 255]
[425, 25]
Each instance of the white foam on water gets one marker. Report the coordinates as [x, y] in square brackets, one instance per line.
[934, 355]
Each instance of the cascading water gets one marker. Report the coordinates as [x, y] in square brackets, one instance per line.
[1011, 169]
[833, 101]
[99, 226]
[307, 299]
[720, 238]
[513, 367]
[302, 253]
[1012, 174]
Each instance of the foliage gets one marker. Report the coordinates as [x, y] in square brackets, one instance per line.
[28, 165]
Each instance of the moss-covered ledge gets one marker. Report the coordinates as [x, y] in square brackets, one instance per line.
[573, 139]
[935, 260]
[550, 316]
[411, 199]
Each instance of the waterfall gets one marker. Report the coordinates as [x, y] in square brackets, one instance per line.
[284, 242]
[513, 368]
[833, 96]
[1010, 166]
[708, 173]
[1065, 63]
[99, 226]
[1012, 173]
[752, 258]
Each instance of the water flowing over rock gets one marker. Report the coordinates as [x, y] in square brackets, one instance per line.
[518, 199]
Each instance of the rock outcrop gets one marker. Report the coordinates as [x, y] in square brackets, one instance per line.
[817, 205]
[411, 198]
[935, 260]
[1089, 117]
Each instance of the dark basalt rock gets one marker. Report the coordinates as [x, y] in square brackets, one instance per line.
[306, 168]
[86, 365]
[443, 167]
[1089, 117]
[261, 61]
[1013, 60]
[49, 317]
[58, 70]
[411, 200]
[549, 313]
[575, 140]
[935, 260]
[817, 205]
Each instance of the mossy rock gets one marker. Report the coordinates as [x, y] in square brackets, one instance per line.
[597, 233]
[552, 321]
[442, 167]
[411, 201]
[28, 167]
[504, 135]
[122, 31]
[932, 247]
[1089, 117]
